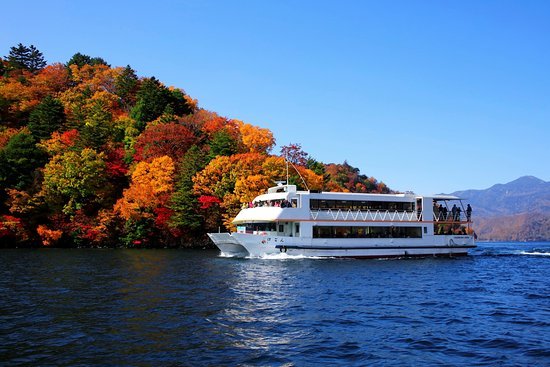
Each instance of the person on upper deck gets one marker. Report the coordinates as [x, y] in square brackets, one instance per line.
[436, 211]
[453, 211]
[468, 213]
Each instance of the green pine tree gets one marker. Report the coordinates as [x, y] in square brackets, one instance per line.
[46, 118]
[184, 203]
[27, 58]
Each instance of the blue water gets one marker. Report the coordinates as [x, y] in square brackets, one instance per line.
[194, 308]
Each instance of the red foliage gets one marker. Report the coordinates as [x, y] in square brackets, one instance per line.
[171, 139]
[115, 164]
[207, 201]
[163, 215]
[294, 153]
[9, 226]
[69, 137]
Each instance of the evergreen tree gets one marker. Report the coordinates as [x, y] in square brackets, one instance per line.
[80, 60]
[152, 99]
[46, 118]
[18, 161]
[184, 203]
[26, 58]
[126, 85]
[222, 143]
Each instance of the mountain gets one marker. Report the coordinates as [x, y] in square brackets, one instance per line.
[526, 194]
[515, 211]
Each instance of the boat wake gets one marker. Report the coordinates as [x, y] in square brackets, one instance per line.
[283, 256]
[534, 253]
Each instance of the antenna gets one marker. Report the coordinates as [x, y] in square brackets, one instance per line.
[298, 172]
[286, 160]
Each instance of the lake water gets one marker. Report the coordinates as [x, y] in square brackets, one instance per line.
[193, 308]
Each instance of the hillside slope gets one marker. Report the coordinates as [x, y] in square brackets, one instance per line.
[515, 211]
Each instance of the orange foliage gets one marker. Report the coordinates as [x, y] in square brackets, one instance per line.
[237, 179]
[26, 91]
[59, 142]
[151, 187]
[49, 236]
[5, 136]
[247, 188]
[53, 79]
[256, 139]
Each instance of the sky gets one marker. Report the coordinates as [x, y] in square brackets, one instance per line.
[425, 96]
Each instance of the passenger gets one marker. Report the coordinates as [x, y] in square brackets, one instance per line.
[436, 211]
[468, 213]
[453, 211]
[445, 212]
[458, 211]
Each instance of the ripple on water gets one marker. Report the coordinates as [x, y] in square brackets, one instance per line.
[86, 307]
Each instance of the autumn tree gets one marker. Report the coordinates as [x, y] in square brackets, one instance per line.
[235, 180]
[169, 139]
[294, 154]
[256, 139]
[26, 58]
[97, 125]
[74, 180]
[46, 118]
[150, 187]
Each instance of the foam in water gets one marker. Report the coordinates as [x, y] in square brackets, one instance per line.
[284, 256]
[535, 253]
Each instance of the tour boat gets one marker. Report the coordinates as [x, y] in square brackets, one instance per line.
[358, 225]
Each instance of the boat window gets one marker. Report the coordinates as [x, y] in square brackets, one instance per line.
[261, 227]
[366, 232]
[318, 204]
[281, 228]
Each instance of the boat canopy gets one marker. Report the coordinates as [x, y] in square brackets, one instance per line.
[446, 197]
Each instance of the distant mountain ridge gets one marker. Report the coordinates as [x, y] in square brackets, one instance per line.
[527, 194]
[516, 211]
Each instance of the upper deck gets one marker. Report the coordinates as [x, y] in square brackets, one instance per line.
[286, 203]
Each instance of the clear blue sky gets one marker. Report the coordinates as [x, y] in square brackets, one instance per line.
[429, 96]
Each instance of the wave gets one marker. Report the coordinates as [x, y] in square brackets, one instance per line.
[284, 256]
[534, 253]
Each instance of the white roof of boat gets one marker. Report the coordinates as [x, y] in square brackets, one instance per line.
[446, 197]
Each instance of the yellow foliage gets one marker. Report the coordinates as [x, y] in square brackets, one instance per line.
[247, 188]
[151, 186]
[256, 139]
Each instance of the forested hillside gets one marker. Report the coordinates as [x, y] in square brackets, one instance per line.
[94, 155]
[514, 211]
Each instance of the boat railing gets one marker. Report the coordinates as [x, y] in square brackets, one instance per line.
[451, 218]
[362, 215]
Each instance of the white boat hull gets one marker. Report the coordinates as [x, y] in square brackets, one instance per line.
[253, 245]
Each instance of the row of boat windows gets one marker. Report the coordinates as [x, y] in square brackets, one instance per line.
[317, 204]
[262, 227]
[366, 232]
